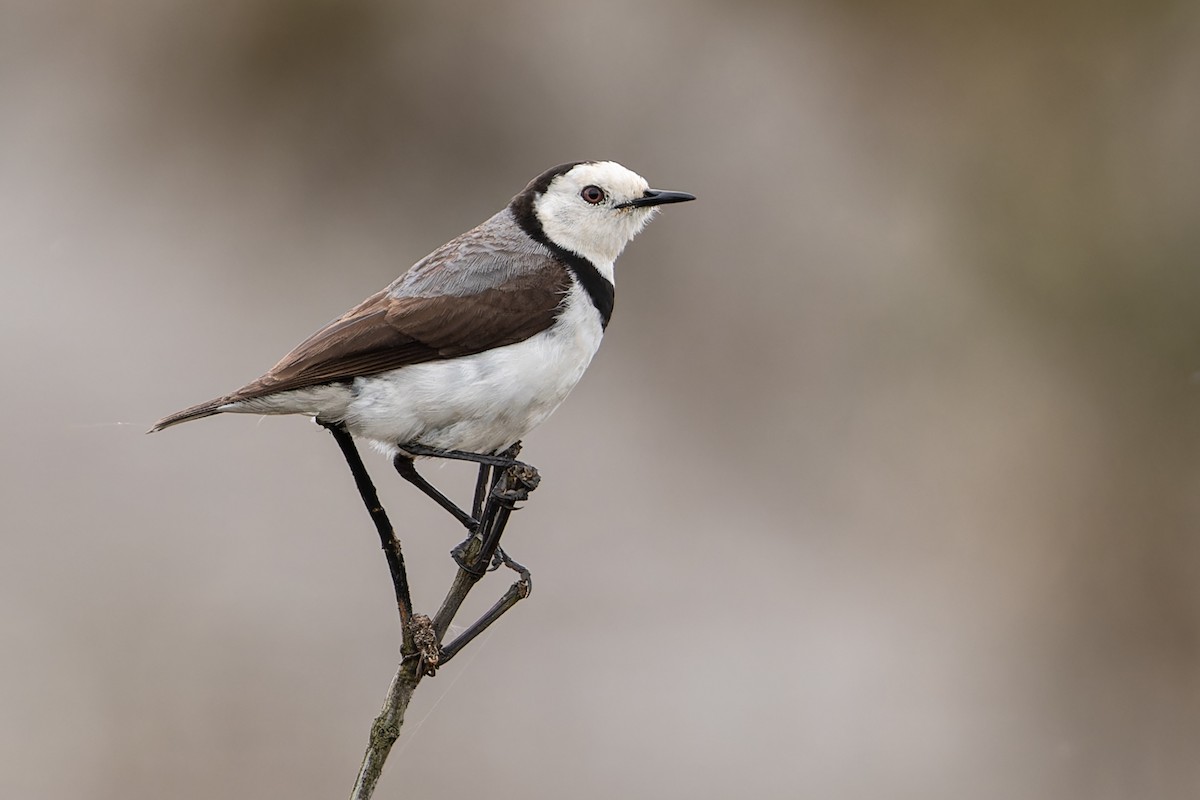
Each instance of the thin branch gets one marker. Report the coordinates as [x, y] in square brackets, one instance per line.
[386, 729]
[422, 650]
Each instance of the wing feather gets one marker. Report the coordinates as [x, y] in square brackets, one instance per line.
[385, 332]
[493, 286]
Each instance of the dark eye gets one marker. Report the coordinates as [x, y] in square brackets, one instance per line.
[592, 194]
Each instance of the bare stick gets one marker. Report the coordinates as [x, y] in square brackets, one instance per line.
[422, 651]
[386, 729]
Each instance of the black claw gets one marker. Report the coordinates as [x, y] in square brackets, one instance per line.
[502, 559]
[525, 480]
[525, 577]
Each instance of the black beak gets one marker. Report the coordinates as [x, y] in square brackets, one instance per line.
[658, 197]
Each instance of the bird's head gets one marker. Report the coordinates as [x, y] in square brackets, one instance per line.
[592, 208]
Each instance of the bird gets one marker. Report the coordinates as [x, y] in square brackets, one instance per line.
[478, 342]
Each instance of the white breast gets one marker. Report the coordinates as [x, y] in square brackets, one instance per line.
[484, 402]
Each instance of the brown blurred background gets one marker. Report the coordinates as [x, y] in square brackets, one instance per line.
[884, 483]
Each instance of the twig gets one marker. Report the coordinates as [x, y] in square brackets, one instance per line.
[421, 652]
[386, 729]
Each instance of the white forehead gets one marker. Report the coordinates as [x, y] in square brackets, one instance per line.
[610, 176]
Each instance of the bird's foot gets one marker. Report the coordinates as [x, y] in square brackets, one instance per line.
[503, 559]
[514, 486]
[522, 479]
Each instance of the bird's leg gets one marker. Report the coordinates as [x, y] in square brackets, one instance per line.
[483, 484]
[503, 559]
[387, 538]
[408, 470]
[502, 460]
[491, 468]
[512, 486]
[518, 591]
[488, 477]
[486, 481]
[404, 463]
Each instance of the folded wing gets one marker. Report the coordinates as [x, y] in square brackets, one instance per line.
[386, 332]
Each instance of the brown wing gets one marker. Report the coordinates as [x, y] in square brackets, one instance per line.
[384, 333]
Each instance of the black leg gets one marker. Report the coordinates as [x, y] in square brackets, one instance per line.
[503, 460]
[518, 591]
[387, 538]
[483, 485]
[490, 470]
[501, 502]
[485, 482]
[503, 559]
[502, 483]
[408, 470]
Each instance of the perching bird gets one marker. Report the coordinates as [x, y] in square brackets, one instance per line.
[480, 340]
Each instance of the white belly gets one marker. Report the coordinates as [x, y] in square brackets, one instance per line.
[480, 403]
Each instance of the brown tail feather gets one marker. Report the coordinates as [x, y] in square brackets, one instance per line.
[188, 414]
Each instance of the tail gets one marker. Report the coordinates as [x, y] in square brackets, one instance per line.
[208, 409]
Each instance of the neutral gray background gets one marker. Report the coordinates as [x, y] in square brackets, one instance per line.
[884, 483]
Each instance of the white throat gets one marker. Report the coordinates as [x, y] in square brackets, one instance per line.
[599, 240]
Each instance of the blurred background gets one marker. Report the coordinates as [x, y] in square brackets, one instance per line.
[884, 483]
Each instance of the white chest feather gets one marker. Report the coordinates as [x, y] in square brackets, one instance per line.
[484, 402]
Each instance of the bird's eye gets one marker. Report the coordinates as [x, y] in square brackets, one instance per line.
[592, 194]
